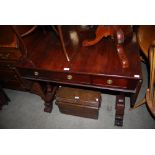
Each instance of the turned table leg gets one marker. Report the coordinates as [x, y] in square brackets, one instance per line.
[120, 106]
[46, 92]
[49, 97]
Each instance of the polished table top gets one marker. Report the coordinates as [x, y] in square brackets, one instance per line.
[98, 60]
[101, 58]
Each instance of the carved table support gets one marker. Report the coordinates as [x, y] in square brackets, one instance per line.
[120, 49]
[49, 97]
[46, 92]
[120, 106]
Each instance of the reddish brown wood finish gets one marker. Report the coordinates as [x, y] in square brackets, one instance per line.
[115, 32]
[87, 66]
[78, 102]
[96, 66]
[120, 33]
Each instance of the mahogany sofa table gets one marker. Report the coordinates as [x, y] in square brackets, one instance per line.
[96, 67]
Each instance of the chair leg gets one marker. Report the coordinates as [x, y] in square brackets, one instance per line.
[141, 102]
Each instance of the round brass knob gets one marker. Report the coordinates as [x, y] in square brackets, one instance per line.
[36, 73]
[69, 77]
[109, 81]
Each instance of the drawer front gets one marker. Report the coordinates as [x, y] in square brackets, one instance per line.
[112, 82]
[55, 76]
[71, 78]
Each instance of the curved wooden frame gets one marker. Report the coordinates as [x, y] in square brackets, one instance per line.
[150, 54]
[150, 93]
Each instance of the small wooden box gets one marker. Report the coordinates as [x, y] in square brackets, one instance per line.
[78, 102]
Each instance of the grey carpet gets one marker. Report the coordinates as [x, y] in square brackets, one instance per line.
[25, 111]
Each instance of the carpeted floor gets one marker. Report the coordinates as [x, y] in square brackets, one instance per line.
[26, 111]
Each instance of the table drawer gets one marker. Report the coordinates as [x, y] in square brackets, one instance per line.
[55, 76]
[110, 82]
[71, 78]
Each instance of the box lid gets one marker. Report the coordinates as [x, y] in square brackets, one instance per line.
[78, 96]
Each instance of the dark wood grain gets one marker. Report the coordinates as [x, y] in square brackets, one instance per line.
[97, 66]
[78, 102]
[88, 64]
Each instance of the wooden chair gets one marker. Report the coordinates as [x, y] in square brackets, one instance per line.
[146, 41]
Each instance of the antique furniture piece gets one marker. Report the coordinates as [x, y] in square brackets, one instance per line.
[79, 102]
[11, 49]
[97, 67]
[3, 98]
[58, 31]
[116, 32]
[146, 40]
[15, 41]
